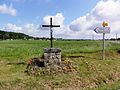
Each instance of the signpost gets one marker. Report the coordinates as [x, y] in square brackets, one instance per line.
[51, 26]
[104, 30]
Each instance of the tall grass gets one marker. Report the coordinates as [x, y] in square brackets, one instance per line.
[92, 70]
[23, 49]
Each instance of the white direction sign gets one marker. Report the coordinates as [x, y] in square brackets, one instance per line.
[102, 30]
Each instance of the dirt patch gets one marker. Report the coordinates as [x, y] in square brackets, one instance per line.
[37, 67]
[76, 56]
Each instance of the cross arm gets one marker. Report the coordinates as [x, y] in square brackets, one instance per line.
[45, 25]
[55, 25]
[50, 25]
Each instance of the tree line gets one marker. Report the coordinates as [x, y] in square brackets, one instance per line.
[12, 35]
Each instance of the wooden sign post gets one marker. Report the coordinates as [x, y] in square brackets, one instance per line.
[103, 47]
[51, 26]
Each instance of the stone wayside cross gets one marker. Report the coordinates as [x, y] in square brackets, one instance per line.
[51, 26]
[52, 56]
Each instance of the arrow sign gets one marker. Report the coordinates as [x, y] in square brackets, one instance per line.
[102, 30]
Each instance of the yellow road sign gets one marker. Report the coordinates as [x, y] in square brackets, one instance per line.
[104, 24]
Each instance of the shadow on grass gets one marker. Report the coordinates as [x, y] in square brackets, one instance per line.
[17, 63]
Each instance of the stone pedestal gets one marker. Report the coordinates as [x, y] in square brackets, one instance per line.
[52, 56]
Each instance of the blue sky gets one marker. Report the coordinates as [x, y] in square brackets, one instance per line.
[78, 16]
[30, 10]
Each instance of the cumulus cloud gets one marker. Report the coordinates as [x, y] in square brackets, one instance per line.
[82, 27]
[61, 32]
[57, 19]
[7, 9]
[105, 10]
[34, 30]
[29, 29]
[12, 27]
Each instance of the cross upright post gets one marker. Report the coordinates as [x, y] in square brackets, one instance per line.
[51, 32]
[51, 26]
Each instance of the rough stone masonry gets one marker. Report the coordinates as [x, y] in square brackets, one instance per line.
[52, 56]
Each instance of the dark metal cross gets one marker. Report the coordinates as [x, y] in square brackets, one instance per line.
[51, 26]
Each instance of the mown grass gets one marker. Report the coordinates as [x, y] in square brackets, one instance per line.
[93, 72]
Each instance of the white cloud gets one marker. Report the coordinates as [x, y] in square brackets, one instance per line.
[34, 30]
[57, 19]
[105, 10]
[12, 27]
[7, 9]
[29, 29]
[82, 27]
[108, 9]
[61, 32]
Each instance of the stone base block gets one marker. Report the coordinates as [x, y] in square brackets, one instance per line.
[52, 56]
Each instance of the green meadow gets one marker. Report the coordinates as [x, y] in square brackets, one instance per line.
[93, 73]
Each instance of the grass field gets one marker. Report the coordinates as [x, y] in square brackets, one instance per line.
[93, 72]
